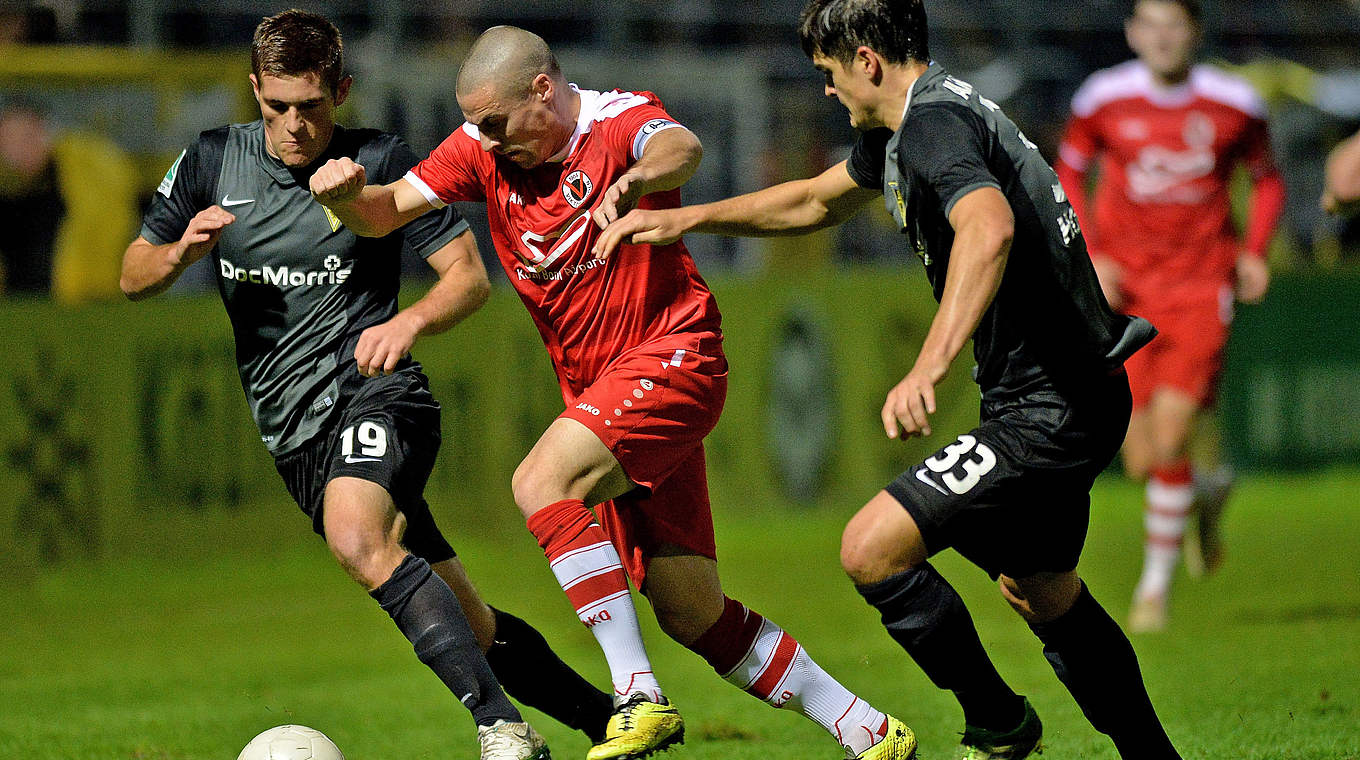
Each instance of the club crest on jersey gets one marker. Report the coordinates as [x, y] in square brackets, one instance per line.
[332, 219]
[576, 188]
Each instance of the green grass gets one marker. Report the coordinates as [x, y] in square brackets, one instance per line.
[188, 655]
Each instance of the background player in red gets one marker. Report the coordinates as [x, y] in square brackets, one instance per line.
[1168, 135]
[637, 346]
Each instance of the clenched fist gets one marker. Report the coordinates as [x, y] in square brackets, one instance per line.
[339, 180]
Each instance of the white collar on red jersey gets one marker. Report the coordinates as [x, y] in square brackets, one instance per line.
[595, 107]
[584, 118]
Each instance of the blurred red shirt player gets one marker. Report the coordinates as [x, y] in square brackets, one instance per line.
[1167, 136]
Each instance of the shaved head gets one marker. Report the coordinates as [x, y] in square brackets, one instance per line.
[508, 59]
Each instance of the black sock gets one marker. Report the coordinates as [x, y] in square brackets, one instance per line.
[531, 672]
[1095, 661]
[924, 614]
[428, 613]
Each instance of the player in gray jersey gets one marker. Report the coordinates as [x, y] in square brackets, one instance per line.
[1005, 257]
[324, 358]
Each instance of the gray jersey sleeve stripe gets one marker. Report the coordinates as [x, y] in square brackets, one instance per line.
[428, 248]
[966, 189]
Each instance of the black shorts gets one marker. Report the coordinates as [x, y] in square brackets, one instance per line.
[1013, 495]
[388, 434]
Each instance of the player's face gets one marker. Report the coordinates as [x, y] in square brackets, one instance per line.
[299, 115]
[1164, 37]
[848, 85]
[523, 129]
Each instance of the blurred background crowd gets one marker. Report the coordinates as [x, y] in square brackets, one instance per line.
[97, 97]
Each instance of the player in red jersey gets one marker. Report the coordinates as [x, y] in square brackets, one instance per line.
[1168, 135]
[637, 346]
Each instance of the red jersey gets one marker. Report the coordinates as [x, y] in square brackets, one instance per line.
[589, 312]
[1167, 155]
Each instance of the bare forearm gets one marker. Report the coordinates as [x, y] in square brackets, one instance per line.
[789, 208]
[151, 269]
[449, 302]
[372, 214]
[461, 289]
[977, 263]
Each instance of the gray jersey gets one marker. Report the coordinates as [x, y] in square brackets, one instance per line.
[299, 287]
[1049, 319]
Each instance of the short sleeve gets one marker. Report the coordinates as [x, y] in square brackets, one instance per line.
[636, 118]
[865, 164]
[1081, 139]
[185, 190]
[450, 172]
[431, 231]
[948, 150]
[394, 159]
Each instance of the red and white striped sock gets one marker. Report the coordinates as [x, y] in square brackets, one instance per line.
[1170, 493]
[758, 657]
[589, 570]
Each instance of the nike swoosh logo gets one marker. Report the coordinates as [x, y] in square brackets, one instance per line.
[921, 476]
[227, 201]
[352, 460]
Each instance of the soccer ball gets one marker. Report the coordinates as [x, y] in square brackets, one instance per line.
[291, 743]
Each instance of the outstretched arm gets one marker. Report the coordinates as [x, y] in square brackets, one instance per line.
[462, 289]
[790, 208]
[668, 161]
[149, 269]
[341, 185]
[984, 226]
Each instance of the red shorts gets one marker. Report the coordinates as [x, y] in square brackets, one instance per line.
[1187, 354]
[652, 408]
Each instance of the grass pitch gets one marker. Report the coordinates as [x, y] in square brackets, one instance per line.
[188, 655]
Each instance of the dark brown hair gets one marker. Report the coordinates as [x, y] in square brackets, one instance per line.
[895, 29]
[297, 42]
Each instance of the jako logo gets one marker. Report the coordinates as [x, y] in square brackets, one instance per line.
[576, 188]
[588, 408]
[597, 618]
[282, 276]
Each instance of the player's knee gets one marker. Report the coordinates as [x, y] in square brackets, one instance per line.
[683, 623]
[366, 557]
[880, 541]
[864, 559]
[530, 487]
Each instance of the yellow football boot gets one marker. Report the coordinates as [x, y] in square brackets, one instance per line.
[898, 744]
[638, 728]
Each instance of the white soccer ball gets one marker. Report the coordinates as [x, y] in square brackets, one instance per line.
[291, 743]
